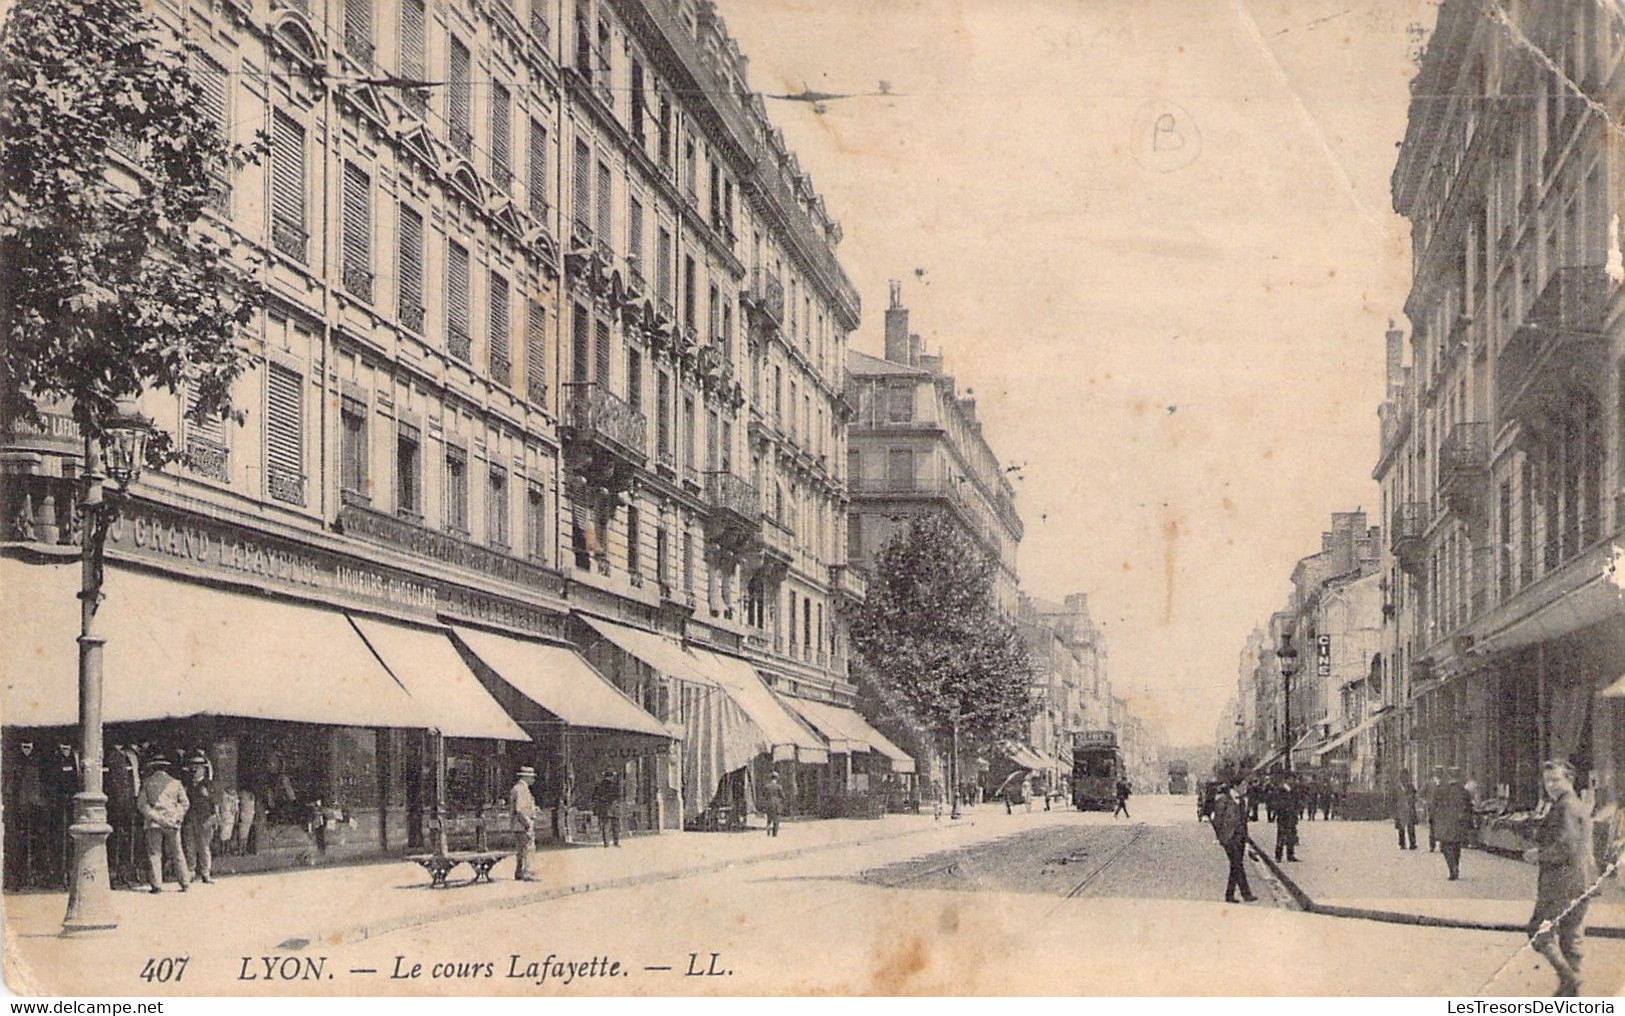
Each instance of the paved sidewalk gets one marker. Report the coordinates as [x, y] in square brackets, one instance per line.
[1359, 865]
[290, 909]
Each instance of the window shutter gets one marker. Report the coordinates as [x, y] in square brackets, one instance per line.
[358, 28]
[288, 171]
[284, 421]
[500, 129]
[499, 327]
[458, 97]
[536, 170]
[210, 78]
[634, 234]
[457, 289]
[411, 266]
[536, 353]
[605, 226]
[580, 343]
[211, 428]
[413, 21]
[582, 187]
[634, 379]
[601, 357]
[357, 231]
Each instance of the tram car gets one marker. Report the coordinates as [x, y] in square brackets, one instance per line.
[1097, 765]
[1179, 777]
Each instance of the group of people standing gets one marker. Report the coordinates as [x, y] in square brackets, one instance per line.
[179, 820]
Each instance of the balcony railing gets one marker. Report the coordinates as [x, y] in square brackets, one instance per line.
[462, 140]
[501, 370]
[412, 317]
[598, 414]
[1408, 533]
[1560, 335]
[208, 458]
[289, 238]
[285, 485]
[778, 541]
[539, 26]
[502, 176]
[767, 293]
[459, 344]
[1466, 449]
[358, 282]
[727, 492]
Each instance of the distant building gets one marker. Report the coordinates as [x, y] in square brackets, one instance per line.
[916, 446]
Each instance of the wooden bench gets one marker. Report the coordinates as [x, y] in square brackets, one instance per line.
[440, 865]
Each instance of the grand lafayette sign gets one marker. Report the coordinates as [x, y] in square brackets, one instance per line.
[166, 536]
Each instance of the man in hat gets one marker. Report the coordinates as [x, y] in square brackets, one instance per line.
[1568, 874]
[773, 803]
[1451, 820]
[1404, 809]
[1431, 800]
[202, 817]
[522, 809]
[1288, 800]
[606, 802]
[1230, 826]
[163, 803]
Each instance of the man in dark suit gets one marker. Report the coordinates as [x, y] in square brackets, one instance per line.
[1404, 808]
[1230, 826]
[1287, 803]
[1568, 874]
[1451, 817]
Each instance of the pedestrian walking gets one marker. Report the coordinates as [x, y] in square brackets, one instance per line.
[163, 803]
[1450, 819]
[1287, 804]
[1435, 784]
[202, 818]
[606, 803]
[1230, 826]
[1404, 809]
[1568, 871]
[773, 803]
[1122, 797]
[522, 820]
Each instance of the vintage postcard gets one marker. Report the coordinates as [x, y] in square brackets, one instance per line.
[726, 497]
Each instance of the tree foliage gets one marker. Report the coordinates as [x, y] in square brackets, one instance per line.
[934, 644]
[111, 284]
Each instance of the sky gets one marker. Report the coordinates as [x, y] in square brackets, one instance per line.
[1156, 238]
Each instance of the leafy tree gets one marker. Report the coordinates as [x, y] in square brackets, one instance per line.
[110, 283]
[935, 647]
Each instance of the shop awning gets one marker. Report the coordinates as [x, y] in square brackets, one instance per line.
[561, 682]
[1615, 690]
[1349, 734]
[790, 737]
[176, 649]
[426, 662]
[664, 654]
[1026, 757]
[848, 729]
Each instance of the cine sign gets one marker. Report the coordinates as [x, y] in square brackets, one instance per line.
[1323, 656]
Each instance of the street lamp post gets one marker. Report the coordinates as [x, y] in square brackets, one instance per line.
[953, 768]
[1288, 657]
[120, 454]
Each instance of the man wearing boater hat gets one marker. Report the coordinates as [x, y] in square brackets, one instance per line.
[522, 808]
[163, 803]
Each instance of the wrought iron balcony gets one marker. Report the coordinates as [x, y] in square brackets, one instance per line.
[501, 370]
[1560, 344]
[412, 316]
[539, 26]
[605, 436]
[502, 175]
[285, 485]
[462, 140]
[289, 238]
[358, 282]
[766, 294]
[734, 520]
[778, 543]
[208, 458]
[1408, 534]
[459, 344]
[1464, 459]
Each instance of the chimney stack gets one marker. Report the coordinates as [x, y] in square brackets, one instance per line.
[916, 346]
[1396, 347]
[897, 326]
